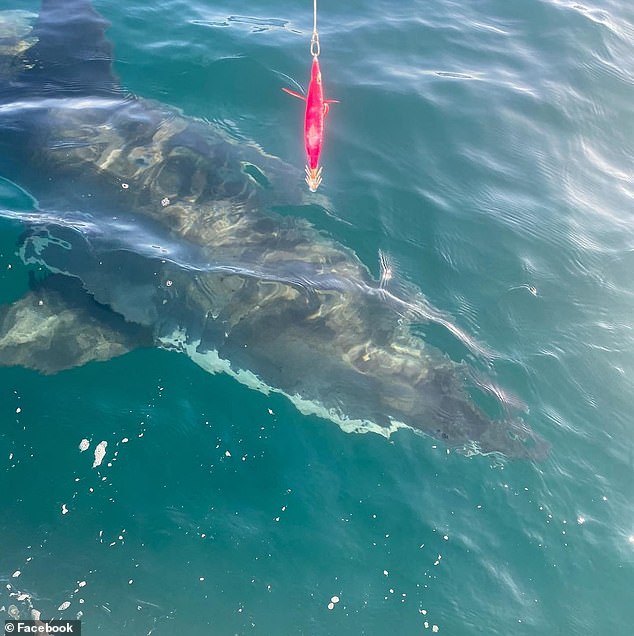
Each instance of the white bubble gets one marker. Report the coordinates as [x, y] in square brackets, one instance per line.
[64, 509]
[64, 606]
[100, 453]
[334, 599]
[331, 606]
[83, 445]
[16, 574]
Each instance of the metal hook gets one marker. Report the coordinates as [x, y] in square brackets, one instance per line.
[314, 44]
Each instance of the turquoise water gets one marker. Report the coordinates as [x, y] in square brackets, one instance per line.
[488, 148]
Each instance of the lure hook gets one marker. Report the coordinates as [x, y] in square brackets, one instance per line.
[314, 44]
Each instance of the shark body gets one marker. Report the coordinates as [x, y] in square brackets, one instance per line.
[158, 231]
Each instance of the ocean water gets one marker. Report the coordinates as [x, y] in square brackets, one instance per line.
[488, 148]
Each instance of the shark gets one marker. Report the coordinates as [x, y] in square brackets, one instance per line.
[159, 230]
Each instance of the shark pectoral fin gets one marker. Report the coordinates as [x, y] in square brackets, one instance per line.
[57, 325]
[294, 94]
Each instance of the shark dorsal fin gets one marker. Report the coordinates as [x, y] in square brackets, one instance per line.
[72, 55]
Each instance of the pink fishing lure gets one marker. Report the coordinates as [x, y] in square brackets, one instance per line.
[316, 111]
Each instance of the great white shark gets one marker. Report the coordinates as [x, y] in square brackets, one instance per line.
[159, 230]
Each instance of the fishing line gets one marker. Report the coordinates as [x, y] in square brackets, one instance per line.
[314, 40]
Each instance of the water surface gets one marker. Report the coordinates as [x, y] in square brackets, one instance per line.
[488, 148]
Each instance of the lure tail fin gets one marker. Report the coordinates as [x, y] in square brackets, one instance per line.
[313, 178]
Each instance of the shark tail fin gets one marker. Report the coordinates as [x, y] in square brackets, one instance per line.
[72, 56]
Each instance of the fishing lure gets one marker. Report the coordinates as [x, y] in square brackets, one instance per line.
[316, 111]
